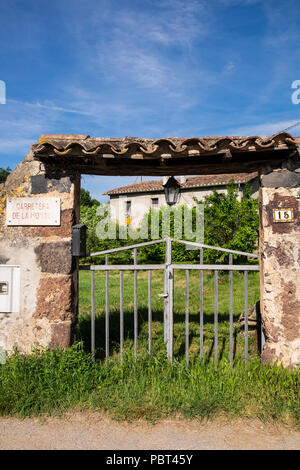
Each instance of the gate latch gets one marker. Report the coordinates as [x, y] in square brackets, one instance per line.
[164, 296]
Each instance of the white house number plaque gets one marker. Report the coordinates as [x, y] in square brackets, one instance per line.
[30, 211]
[283, 215]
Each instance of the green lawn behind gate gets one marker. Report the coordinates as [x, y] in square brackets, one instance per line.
[48, 382]
[157, 309]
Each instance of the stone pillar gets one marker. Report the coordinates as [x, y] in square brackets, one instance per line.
[49, 289]
[280, 265]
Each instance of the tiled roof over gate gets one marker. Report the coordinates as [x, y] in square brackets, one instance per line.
[67, 144]
[168, 156]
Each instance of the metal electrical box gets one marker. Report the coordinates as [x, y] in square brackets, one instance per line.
[79, 240]
[10, 288]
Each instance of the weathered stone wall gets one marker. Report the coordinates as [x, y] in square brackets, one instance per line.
[280, 265]
[49, 287]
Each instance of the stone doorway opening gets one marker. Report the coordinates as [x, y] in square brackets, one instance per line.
[49, 287]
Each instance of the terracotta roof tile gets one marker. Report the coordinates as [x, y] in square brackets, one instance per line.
[191, 182]
[171, 155]
[64, 144]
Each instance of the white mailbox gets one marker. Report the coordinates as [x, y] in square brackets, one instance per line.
[9, 288]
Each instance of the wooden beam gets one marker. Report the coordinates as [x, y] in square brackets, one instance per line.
[219, 163]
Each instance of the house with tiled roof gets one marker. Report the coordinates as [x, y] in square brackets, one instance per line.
[128, 204]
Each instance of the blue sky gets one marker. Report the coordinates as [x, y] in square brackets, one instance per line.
[148, 68]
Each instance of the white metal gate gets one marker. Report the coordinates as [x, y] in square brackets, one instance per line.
[168, 295]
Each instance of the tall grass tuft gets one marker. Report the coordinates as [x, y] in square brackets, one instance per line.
[52, 382]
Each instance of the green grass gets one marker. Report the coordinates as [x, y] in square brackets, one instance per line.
[51, 382]
[157, 308]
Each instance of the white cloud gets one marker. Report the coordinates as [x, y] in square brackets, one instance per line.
[229, 67]
[171, 22]
[17, 145]
[21, 124]
[142, 67]
[148, 46]
[264, 129]
[49, 105]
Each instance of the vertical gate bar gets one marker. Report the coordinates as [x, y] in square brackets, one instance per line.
[121, 315]
[216, 316]
[187, 295]
[93, 317]
[106, 311]
[149, 314]
[168, 261]
[166, 301]
[230, 313]
[262, 335]
[135, 313]
[171, 315]
[168, 305]
[201, 305]
[246, 315]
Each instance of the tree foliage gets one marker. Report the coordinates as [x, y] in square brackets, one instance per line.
[86, 199]
[229, 222]
[4, 172]
[92, 212]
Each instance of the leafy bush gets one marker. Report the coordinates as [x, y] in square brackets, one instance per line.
[228, 223]
[86, 199]
[231, 223]
[90, 215]
[4, 174]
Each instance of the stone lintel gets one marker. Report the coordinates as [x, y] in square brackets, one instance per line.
[281, 179]
[41, 184]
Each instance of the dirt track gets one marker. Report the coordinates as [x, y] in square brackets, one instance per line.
[86, 430]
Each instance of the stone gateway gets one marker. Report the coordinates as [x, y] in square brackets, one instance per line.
[40, 202]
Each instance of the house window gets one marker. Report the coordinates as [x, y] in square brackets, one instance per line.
[154, 201]
[128, 206]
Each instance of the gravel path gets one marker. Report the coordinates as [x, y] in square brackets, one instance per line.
[87, 430]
